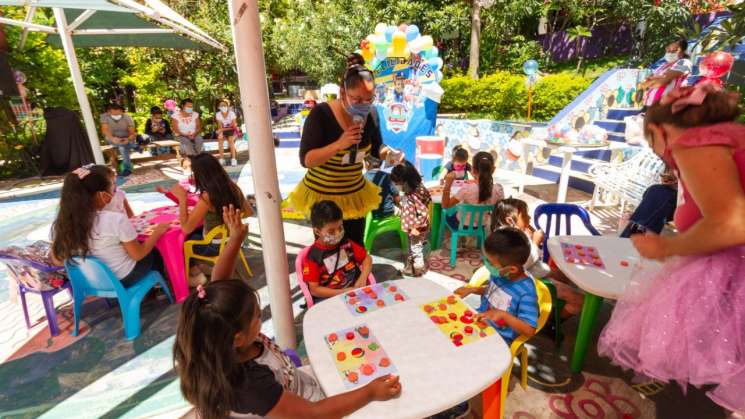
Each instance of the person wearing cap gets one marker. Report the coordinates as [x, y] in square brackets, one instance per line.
[118, 129]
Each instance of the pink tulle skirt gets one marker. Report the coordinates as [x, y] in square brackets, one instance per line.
[685, 321]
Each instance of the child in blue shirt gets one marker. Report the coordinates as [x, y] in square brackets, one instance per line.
[509, 299]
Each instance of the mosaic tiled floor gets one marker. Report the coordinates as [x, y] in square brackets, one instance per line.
[99, 374]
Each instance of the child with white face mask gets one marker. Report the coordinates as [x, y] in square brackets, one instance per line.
[227, 129]
[334, 264]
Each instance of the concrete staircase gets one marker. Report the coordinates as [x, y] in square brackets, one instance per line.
[583, 160]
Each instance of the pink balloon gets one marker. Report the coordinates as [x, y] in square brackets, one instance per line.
[716, 64]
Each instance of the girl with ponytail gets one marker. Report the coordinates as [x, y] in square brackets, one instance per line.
[484, 192]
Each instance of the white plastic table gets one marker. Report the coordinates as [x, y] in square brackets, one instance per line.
[435, 374]
[597, 283]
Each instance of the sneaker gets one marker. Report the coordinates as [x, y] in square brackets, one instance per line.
[233, 162]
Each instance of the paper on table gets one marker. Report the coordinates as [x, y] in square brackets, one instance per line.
[456, 320]
[358, 356]
[582, 255]
[373, 297]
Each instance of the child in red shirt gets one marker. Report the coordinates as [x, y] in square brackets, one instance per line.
[334, 264]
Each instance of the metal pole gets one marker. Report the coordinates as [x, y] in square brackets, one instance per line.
[77, 82]
[249, 60]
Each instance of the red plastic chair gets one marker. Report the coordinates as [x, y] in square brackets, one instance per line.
[303, 286]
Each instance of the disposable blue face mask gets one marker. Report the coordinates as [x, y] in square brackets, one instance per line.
[188, 110]
[358, 109]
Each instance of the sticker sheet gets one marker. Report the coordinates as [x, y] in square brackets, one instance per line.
[456, 320]
[358, 356]
[374, 297]
[582, 255]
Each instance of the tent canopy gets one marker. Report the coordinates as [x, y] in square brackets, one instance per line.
[117, 23]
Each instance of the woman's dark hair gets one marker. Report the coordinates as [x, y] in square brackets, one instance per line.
[483, 164]
[114, 106]
[506, 209]
[71, 229]
[203, 354]
[210, 177]
[185, 101]
[407, 174]
[460, 153]
[509, 245]
[721, 106]
[324, 212]
[682, 43]
[356, 72]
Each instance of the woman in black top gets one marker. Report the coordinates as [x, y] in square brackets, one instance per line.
[336, 138]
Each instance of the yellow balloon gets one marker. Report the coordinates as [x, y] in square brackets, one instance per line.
[399, 42]
[368, 55]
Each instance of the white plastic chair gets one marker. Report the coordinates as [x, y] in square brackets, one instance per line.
[624, 183]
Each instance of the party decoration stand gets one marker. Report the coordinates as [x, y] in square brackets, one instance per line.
[407, 70]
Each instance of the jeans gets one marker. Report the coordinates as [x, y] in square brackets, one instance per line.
[656, 209]
[209, 250]
[190, 147]
[152, 262]
[124, 150]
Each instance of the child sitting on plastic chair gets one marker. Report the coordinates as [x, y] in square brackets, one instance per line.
[512, 212]
[335, 264]
[228, 368]
[509, 299]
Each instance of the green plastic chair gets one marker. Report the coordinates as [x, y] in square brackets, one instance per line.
[436, 172]
[375, 226]
[555, 311]
[475, 214]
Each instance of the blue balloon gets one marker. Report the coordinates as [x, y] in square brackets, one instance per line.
[412, 31]
[530, 67]
[389, 31]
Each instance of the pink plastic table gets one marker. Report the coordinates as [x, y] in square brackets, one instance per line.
[170, 244]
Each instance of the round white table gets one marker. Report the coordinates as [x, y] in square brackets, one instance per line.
[620, 260]
[435, 374]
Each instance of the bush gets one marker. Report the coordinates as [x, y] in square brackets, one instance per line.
[503, 96]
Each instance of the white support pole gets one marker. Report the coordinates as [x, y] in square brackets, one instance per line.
[29, 18]
[77, 81]
[249, 59]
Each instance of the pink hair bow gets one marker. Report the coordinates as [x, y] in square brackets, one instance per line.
[683, 97]
[201, 293]
[82, 172]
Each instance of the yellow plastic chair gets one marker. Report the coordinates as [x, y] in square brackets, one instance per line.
[517, 348]
[221, 231]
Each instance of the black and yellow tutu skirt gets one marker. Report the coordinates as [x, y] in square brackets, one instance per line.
[335, 181]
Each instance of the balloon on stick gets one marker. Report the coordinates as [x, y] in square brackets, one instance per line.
[716, 65]
[530, 67]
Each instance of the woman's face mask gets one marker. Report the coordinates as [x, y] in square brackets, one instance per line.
[671, 57]
[116, 117]
[357, 105]
[223, 109]
[188, 110]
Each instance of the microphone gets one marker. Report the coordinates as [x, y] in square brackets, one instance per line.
[357, 120]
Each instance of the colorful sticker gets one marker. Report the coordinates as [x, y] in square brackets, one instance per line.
[358, 356]
[456, 320]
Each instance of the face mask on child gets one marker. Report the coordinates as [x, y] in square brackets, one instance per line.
[224, 109]
[671, 57]
[332, 239]
[493, 270]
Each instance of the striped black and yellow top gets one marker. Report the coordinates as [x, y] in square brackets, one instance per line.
[338, 179]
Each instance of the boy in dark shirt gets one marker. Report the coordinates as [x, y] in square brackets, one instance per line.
[334, 264]
[156, 127]
[388, 192]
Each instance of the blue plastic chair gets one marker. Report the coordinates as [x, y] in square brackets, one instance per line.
[475, 214]
[90, 276]
[553, 214]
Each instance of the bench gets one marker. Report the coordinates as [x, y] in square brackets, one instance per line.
[111, 152]
[625, 183]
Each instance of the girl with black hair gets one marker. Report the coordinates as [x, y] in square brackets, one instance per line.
[84, 228]
[485, 191]
[216, 190]
[414, 214]
[187, 127]
[336, 138]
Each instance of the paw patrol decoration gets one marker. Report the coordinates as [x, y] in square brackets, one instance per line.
[407, 71]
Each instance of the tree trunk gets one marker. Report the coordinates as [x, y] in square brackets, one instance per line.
[473, 62]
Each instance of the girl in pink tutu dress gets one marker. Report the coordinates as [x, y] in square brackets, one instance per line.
[685, 321]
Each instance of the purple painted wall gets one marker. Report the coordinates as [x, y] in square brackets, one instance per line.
[605, 40]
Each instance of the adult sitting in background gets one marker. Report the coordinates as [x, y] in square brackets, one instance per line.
[186, 128]
[118, 129]
[388, 191]
[656, 208]
[227, 128]
[670, 75]
[157, 128]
